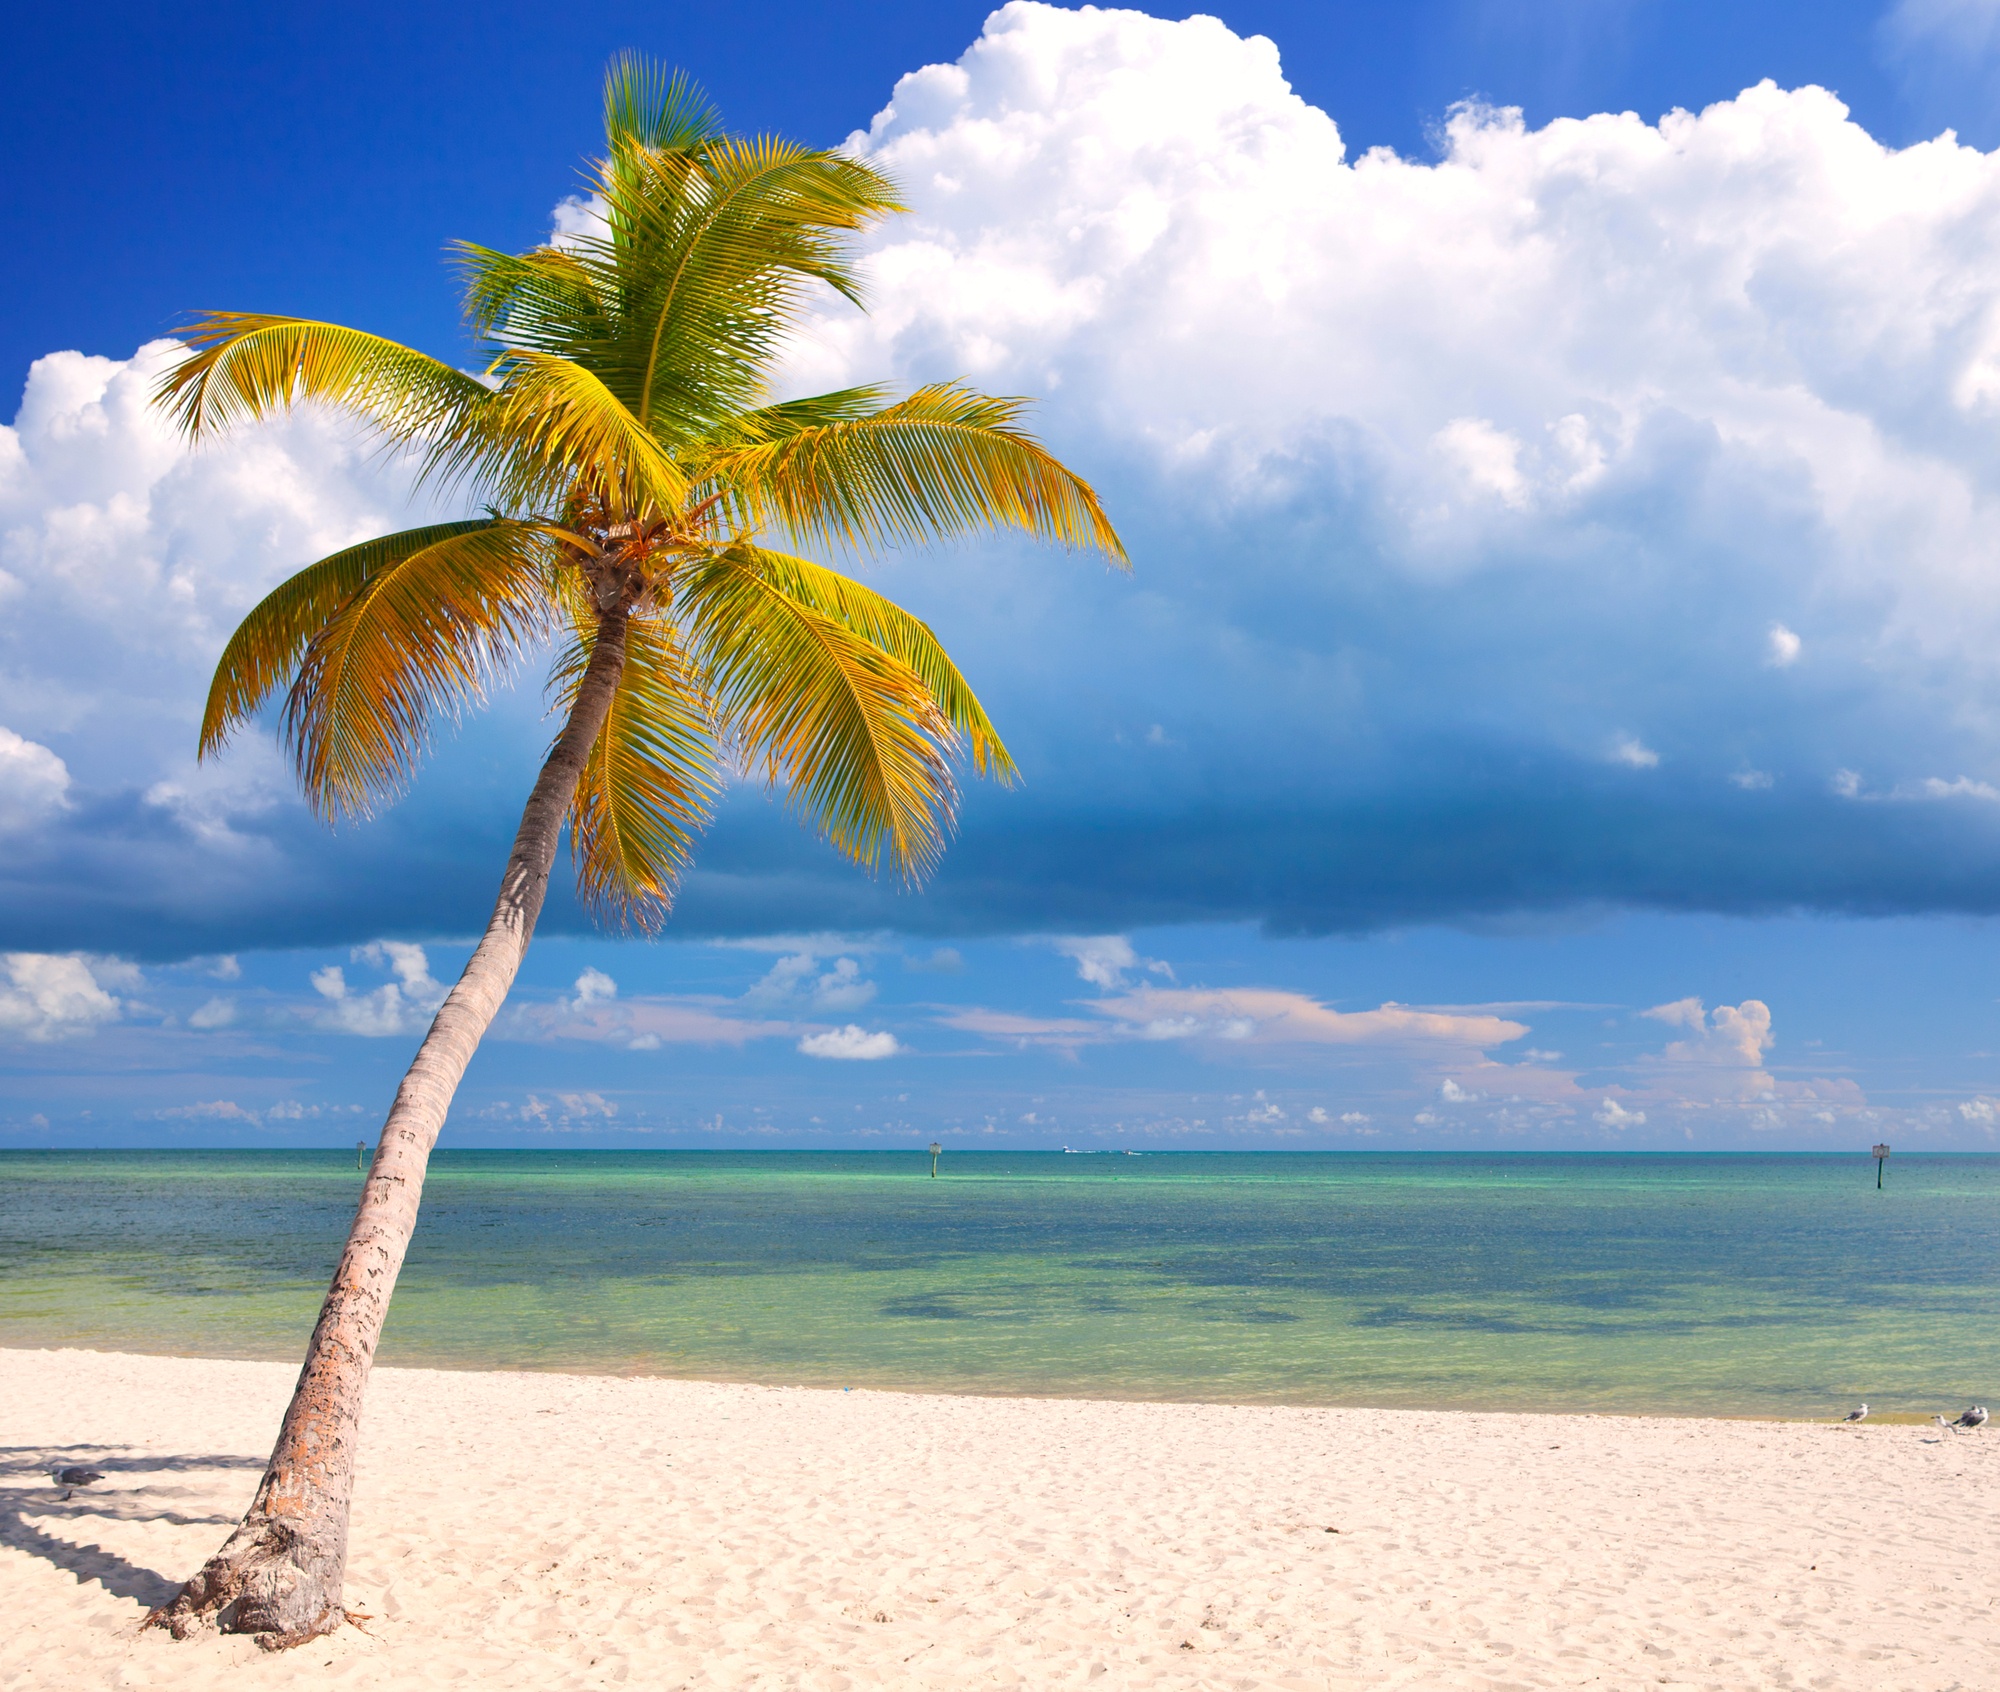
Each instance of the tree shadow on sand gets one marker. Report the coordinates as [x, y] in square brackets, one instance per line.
[26, 1490]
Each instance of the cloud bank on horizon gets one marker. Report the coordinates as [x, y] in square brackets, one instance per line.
[1598, 514]
[275, 1053]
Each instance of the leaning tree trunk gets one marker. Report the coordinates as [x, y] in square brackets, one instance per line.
[279, 1575]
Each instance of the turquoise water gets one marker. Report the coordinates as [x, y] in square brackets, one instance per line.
[1721, 1285]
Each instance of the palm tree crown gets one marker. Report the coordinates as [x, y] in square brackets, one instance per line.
[631, 462]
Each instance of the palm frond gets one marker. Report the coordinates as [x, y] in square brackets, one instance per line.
[558, 432]
[881, 620]
[549, 298]
[652, 776]
[945, 461]
[714, 257]
[264, 652]
[850, 731]
[788, 418]
[423, 636]
[648, 105]
[244, 366]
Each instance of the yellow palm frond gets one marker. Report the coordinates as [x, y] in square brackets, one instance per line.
[880, 619]
[244, 366]
[424, 635]
[652, 775]
[263, 653]
[850, 731]
[945, 461]
[558, 433]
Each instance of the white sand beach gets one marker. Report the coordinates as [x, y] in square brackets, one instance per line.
[555, 1532]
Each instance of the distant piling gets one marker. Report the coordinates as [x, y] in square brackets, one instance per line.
[935, 1149]
[1881, 1154]
[360, 1154]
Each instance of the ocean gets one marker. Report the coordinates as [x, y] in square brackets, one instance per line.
[1681, 1284]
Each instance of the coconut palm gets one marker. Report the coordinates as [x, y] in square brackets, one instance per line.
[630, 465]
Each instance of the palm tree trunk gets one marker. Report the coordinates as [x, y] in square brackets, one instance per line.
[279, 1575]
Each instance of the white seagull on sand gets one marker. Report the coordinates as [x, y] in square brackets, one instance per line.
[1860, 1415]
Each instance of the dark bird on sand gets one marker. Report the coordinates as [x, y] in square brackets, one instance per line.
[1860, 1415]
[1976, 1417]
[76, 1477]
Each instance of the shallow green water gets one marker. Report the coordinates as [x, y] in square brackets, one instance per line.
[1779, 1285]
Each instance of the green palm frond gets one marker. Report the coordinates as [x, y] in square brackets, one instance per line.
[245, 366]
[850, 731]
[652, 776]
[647, 105]
[946, 461]
[707, 255]
[788, 419]
[907, 638]
[423, 636]
[716, 257]
[549, 298]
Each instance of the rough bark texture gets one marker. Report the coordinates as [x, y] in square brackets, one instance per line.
[279, 1574]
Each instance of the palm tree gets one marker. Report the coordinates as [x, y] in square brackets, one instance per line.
[630, 463]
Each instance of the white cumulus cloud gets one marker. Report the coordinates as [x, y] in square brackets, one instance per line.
[400, 1006]
[1104, 960]
[852, 1043]
[1755, 315]
[34, 782]
[797, 979]
[215, 1013]
[1963, 787]
[1728, 1036]
[143, 555]
[593, 987]
[1488, 458]
[59, 996]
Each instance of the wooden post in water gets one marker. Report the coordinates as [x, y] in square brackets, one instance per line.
[1881, 1157]
[360, 1154]
[935, 1149]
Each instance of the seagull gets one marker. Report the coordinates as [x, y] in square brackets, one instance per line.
[1974, 1418]
[73, 1477]
[1860, 1415]
[1943, 1423]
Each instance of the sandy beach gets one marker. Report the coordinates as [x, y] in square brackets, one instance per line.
[554, 1532]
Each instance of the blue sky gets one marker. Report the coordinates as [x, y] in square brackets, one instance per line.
[1553, 703]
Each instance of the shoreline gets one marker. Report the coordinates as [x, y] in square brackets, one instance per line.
[564, 1531]
[1012, 1393]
